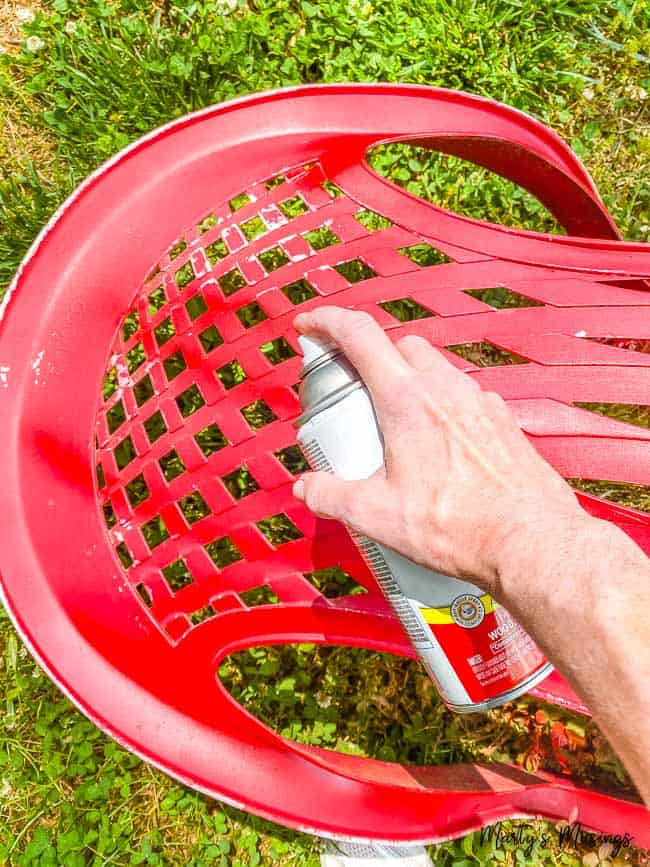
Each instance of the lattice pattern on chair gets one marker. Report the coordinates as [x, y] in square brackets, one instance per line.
[198, 402]
[134, 565]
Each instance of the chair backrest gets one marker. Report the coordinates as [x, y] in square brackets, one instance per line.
[147, 401]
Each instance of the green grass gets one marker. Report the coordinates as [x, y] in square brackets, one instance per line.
[133, 65]
[69, 795]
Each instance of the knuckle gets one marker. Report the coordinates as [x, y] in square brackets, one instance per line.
[348, 506]
[494, 401]
[411, 340]
[359, 320]
[470, 384]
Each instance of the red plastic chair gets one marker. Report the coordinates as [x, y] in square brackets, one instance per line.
[92, 508]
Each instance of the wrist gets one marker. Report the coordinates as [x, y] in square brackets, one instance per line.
[541, 562]
[580, 587]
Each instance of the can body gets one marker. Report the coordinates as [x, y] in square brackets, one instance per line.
[475, 652]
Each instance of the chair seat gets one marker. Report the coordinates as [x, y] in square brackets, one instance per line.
[147, 373]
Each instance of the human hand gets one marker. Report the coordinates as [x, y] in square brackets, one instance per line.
[462, 490]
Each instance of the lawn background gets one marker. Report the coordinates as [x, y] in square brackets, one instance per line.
[82, 80]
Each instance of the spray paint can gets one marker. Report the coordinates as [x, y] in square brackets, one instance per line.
[474, 651]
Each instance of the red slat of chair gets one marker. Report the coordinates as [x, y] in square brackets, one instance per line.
[81, 611]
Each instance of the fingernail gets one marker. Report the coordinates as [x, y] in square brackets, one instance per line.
[298, 489]
[300, 321]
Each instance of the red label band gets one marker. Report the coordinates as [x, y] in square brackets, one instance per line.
[492, 657]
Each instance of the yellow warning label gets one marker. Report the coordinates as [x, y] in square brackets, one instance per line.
[443, 615]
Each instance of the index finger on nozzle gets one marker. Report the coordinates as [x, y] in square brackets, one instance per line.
[361, 339]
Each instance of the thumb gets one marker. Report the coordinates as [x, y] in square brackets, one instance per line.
[331, 497]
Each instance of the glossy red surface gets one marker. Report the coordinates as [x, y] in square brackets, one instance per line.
[147, 674]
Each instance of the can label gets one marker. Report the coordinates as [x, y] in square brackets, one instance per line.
[489, 651]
